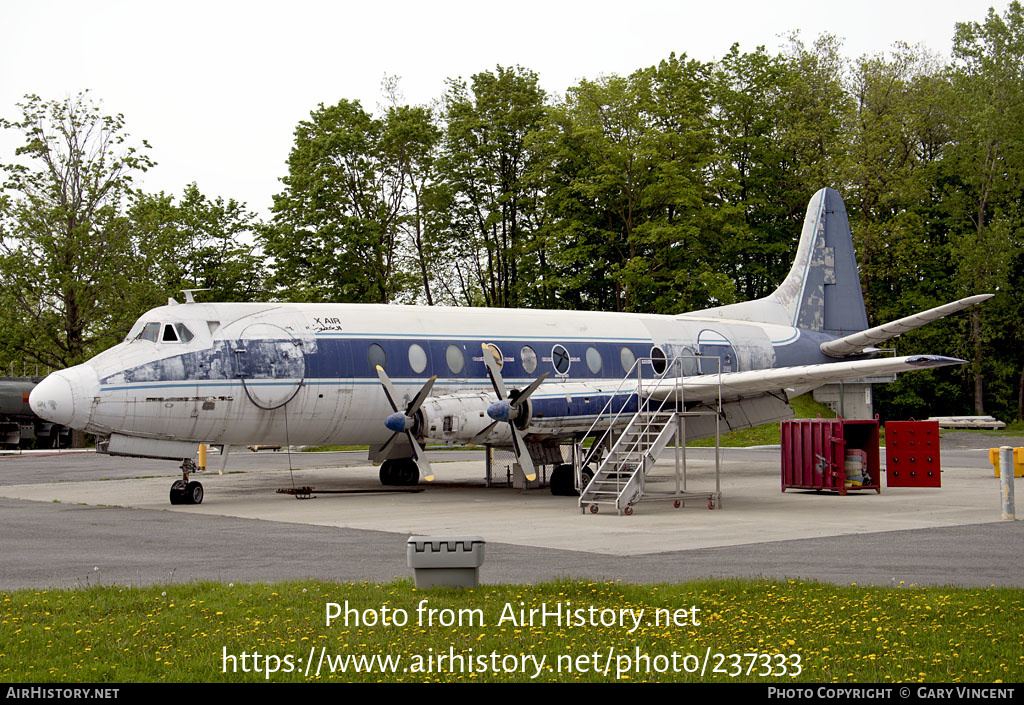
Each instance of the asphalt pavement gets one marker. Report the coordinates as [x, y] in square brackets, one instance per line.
[75, 519]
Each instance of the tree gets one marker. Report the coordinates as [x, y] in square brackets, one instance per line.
[984, 193]
[66, 251]
[898, 134]
[757, 204]
[491, 205]
[625, 189]
[334, 235]
[410, 141]
[196, 243]
[818, 106]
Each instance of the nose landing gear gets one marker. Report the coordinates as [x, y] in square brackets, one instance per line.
[183, 491]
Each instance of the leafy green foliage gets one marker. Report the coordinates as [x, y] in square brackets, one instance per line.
[67, 252]
[625, 194]
[197, 243]
[489, 206]
[334, 234]
[82, 253]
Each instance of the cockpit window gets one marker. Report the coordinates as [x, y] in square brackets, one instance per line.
[151, 332]
[165, 333]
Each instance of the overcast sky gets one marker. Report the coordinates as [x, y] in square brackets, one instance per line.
[217, 87]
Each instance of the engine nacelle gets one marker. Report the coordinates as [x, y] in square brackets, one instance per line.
[460, 417]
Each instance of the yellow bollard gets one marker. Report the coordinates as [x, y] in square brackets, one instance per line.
[1018, 461]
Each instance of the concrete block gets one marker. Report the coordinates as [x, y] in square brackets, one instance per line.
[446, 561]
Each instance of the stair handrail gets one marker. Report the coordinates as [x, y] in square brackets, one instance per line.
[675, 366]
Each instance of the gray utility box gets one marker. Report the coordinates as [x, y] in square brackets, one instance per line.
[446, 561]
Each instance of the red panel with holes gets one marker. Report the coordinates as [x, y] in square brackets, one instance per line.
[912, 454]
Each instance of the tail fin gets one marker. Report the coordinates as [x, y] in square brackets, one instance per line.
[822, 291]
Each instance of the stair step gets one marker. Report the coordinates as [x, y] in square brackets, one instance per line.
[652, 430]
[621, 467]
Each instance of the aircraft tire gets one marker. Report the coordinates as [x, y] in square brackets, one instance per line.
[178, 492]
[194, 493]
[561, 483]
[399, 472]
[586, 475]
[387, 473]
[407, 473]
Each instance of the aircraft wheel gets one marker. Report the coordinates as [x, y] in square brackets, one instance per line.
[387, 473]
[178, 492]
[561, 484]
[407, 472]
[194, 493]
[586, 475]
[400, 472]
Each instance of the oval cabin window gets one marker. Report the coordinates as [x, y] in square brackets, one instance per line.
[417, 358]
[455, 359]
[375, 356]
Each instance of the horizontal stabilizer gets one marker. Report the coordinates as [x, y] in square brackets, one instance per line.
[857, 342]
[752, 382]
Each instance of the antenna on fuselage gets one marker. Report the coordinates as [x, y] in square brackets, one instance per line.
[188, 294]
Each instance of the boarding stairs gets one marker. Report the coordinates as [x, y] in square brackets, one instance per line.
[620, 481]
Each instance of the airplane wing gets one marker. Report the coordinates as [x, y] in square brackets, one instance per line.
[754, 382]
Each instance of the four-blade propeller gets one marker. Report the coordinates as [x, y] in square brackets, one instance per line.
[508, 409]
[404, 421]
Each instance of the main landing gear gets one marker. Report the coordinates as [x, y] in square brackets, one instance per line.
[400, 472]
[183, 491]
[563, 482]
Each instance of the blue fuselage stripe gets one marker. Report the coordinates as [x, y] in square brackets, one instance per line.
[349, 360]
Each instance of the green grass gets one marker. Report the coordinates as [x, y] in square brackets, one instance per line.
[840, 634]
[769, 433]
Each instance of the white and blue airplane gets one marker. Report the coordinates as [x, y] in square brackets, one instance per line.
[395, 377]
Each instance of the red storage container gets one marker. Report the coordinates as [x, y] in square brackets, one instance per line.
[912, 454]
[830, 454]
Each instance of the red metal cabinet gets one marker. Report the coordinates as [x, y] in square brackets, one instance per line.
[815, 455]
[912, 454]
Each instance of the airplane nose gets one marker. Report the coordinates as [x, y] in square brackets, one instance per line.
[65, 397]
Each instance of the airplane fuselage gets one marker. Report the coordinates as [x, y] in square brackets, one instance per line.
[305, 373]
